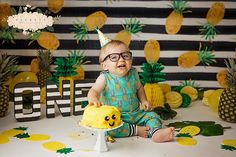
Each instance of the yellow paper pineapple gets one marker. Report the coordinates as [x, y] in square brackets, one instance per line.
[214, 15]
[79, 61]
[48, 40]
[152, 51]
[93, 21]
[192, 58]
[175, 19]
[55, 5]
[150, 77]
[131, 26]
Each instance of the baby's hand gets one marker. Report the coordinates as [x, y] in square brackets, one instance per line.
[147, 106]
[96, 103]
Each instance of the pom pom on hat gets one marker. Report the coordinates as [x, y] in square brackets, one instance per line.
[103, 38]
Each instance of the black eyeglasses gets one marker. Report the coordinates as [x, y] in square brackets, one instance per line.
[114, 57]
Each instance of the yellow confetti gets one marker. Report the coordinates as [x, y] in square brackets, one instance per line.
[12, 132]
[38, 137]
[3, 139]
[186, 141]
[191, 130]
[53, 146]
[229, 142]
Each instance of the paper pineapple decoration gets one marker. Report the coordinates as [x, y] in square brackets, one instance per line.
[150, 77]
[175, 19]
[131, 26]
[44, 58]
[7, 70]
[92, 21]
[5, 11]
[6, 34]
[221, 78]
[79, 61]
[48, 40]
[152, 51]
[214, 15]
[64, 71]
[227, 104]
[192, 58]
[55, 5]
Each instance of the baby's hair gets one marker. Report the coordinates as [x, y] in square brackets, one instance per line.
[111, 43]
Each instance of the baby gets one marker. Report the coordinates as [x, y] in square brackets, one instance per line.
[119, 85]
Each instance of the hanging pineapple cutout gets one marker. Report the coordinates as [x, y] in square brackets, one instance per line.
[214, 16]
[152, 51]
[227, 107]
[131, 26]
[92, 21]
[48, 40]
[175, 19]
[79, 61]
[150, 77]
[221, 78]
[5, 11]
[192, 58]
[55, 5]
[7, 34]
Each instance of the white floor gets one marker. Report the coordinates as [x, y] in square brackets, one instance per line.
[66, 131]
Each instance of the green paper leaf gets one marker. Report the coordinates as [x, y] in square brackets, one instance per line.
[183, 135]
[212, 130]
[24, 135]
[21, 128]
[65, 150]
[226, 147]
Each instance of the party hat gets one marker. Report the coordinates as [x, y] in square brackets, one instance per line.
[103, 38]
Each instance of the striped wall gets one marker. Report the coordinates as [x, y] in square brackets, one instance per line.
[152, 14]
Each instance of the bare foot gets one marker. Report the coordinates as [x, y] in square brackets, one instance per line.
[164, 135]
[143, 131]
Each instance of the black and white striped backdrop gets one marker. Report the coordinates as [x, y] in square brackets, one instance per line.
[151, 13]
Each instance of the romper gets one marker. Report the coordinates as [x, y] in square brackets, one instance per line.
[121, 92]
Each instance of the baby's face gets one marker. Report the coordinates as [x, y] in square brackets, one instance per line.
[118, 60]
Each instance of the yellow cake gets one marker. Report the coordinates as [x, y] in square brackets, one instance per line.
[103, 117]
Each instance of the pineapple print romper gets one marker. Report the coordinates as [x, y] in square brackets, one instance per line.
[121, 92]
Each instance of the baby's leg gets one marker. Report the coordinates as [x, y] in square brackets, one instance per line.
[164, 135]
[142, 131]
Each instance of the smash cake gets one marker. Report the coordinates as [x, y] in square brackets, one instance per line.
[103, 117]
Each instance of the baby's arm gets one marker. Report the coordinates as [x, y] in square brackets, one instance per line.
[95, 91]
[142, 97]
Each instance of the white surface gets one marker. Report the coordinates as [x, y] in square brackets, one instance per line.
[62, 128]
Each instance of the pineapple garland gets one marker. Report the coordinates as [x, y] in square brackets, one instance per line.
[44, 58]
[8, 65]
[92, 21]
[192, 58]
[227, 103]
[175, 19]
[131, 26]
[79, 61]
[214, 15]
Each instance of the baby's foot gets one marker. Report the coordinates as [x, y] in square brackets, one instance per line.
[164, 135]
[142, 131]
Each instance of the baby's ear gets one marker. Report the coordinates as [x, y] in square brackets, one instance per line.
[104, 66]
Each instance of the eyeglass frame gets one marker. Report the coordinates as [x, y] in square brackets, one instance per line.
[119, 54]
